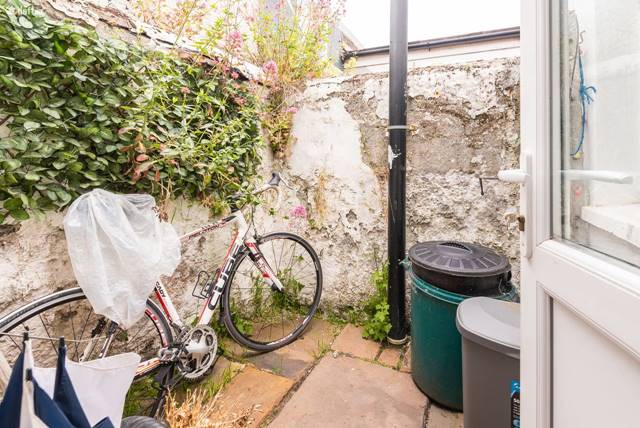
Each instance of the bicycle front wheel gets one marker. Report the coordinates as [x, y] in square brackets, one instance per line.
[68, 313]
[262, 318]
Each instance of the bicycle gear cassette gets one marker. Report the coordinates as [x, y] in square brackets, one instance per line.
[199, 351]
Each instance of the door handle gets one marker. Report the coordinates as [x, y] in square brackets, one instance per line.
[523, 177]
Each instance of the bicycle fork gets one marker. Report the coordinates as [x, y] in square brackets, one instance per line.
[268, 274]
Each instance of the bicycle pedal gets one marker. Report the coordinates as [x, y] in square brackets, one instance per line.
[168, 355]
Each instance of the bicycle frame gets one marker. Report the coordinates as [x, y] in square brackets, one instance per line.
[240, 242]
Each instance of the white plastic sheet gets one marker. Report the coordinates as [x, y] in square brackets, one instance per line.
[118, 249]
[101, 385]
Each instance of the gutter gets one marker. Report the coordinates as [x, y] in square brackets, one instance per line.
[464, 39]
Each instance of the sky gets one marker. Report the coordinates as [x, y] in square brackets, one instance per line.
[368, 20]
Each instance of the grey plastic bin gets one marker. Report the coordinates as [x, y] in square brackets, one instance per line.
[490, 331]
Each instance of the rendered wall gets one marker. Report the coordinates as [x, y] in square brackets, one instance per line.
[465, 121]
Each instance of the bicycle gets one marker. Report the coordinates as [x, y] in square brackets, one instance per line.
[255, 287]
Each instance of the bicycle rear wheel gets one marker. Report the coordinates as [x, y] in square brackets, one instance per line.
[262, 318]
[68, 313]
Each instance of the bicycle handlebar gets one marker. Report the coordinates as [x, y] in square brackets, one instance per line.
[274, 183]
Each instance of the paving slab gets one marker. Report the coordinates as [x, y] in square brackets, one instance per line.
[295, 359]
[443, 418]
[224, 368]
[350, 342]
[348, 392]
[390, 356]
[253, 389]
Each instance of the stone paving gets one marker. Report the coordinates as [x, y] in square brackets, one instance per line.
[330, 377]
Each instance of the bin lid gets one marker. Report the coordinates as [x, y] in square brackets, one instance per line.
[460, 267]
[492, 323]
[458, 258]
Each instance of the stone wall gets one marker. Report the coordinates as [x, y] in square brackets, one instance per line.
[465, 123]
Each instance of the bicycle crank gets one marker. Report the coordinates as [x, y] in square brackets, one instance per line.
[200, 347]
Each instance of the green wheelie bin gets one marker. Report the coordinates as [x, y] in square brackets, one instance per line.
[443, 274]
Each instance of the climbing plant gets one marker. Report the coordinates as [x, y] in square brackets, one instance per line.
[287, 39]
[82, 112]
[290, 40]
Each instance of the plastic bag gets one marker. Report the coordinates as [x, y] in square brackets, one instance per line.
[119, 249]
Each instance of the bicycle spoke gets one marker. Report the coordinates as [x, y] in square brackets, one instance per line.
[281, 253]
[267, 315]
[135, 335]
[273, 252]
[55, 348]
[14, 342]
[86, 321]
[282, 321]
[72, 327]
[298, 278]
[293, 253]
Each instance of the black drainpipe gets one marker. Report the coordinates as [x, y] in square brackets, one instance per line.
[397, 169]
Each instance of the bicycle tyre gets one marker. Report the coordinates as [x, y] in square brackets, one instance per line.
[235, 331]
[141, 422]
[30, 310]
[34, 309]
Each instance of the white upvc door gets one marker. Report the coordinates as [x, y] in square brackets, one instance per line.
[580, 98]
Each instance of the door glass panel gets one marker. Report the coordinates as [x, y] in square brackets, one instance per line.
[596, 125]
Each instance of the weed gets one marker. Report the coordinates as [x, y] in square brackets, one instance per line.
[376, 309]
[342, 315]
[213, 386]
[332, 316]
[321, 350]
[200, 410]
[141, 394]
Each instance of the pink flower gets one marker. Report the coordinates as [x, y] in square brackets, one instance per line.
[292, 110]
[234, 75]
[240, 101]
[234, 40]
[299, 212]
[185, 90]
[270, 68]
[235, 35]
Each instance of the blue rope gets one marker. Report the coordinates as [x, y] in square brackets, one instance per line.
[585, 99]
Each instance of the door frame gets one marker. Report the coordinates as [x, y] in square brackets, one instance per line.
[602, 292]
[535, 337]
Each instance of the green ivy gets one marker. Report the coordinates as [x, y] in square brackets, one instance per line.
[83, 112]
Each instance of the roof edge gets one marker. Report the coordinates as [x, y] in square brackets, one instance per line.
[481, 36]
